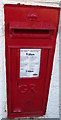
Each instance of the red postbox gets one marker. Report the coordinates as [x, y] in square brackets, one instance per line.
[30, 38]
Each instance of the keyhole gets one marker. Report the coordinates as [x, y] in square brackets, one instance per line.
[17, 83]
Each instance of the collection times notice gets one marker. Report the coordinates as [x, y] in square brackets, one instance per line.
[29, 63]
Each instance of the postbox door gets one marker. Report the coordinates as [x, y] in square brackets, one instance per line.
[27, 92]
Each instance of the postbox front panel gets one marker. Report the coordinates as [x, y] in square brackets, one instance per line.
[30, 37]
[27, 91]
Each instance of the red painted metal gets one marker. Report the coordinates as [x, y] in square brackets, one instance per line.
[29, 27]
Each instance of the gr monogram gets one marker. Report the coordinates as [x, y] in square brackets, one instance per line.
[27, 88]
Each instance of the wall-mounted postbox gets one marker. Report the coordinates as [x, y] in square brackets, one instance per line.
[30, 38]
